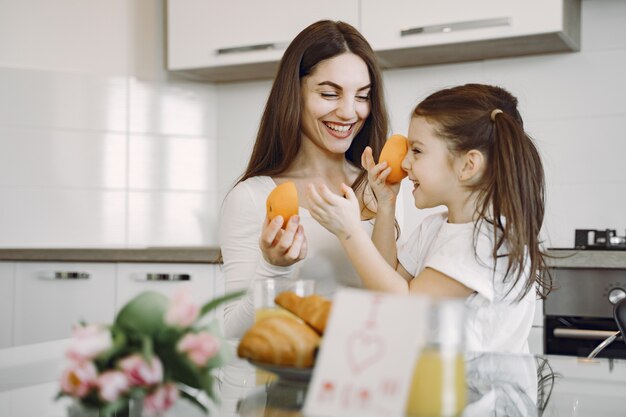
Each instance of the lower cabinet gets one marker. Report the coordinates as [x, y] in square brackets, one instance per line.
[165, 278]
[7, 288]
[52, 297]
[535, 339]
[41, 301]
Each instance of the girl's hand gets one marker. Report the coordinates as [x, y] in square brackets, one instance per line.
[377, 175]
[339, 214]
[283, 247]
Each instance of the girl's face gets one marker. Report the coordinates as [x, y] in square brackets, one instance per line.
[335, 102]
[430, 165]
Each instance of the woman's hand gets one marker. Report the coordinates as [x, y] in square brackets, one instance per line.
[377, 177]
[339, 214]
[283, 247]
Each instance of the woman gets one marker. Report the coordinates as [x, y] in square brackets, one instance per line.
[325, 106]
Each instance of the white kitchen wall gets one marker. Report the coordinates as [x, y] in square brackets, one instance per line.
[100, 147]
[573, 105]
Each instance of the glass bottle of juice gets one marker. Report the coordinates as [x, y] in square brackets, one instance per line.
[438, 388]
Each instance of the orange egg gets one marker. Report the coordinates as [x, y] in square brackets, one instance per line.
[393, 153]
[282, 201]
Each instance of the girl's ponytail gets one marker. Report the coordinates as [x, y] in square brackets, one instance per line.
[517, 196]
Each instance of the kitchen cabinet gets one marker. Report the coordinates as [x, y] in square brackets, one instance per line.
[535, 339]
[51, 297]
[224, 41]
[229, 42]
[165, 278]
[7, 285]
[419, 32]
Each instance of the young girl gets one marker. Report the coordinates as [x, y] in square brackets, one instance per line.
[468, 152]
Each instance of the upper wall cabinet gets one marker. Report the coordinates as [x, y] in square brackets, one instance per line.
[421, 32]
[239, 39]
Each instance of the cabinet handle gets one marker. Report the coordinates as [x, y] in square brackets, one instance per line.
[456, 26]
[250, 48]
[64, 275]
[582, 334]
[153, 276]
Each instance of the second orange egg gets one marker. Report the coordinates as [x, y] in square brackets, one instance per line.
[393, 153]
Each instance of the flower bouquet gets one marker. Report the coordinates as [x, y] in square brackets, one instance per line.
[156, 351]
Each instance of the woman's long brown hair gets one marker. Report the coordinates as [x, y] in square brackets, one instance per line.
[511, 193]
[279, 136]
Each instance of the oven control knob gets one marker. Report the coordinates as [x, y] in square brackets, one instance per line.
[616, 295]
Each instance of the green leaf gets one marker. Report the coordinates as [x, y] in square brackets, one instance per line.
[147, 348]
[217, 301]
[194, 400]
[207, 386]
[111, 408]
[181, 369]
[144, 313]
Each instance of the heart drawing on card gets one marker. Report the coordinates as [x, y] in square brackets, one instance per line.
[364, 349]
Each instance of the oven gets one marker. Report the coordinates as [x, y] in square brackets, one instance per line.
[578, 314]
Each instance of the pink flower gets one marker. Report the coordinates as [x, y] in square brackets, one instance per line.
[78, 378]
[88, 342]
[199, 347]
[161, 399]
[112, 384]
[183, 311]
[140, 372]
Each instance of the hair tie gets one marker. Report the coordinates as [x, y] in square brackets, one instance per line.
[494, 113]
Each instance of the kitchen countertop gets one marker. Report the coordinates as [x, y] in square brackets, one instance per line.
[497, 384]
[195, 254]
[558, 258]
[574, 258]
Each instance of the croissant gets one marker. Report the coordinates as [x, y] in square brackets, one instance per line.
[313, 309]
[280, 340]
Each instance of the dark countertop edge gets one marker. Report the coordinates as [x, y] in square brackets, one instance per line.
[206, 255]
[558, 258]
[577, 258]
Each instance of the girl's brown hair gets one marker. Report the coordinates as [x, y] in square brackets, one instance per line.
[511, 193]
[279, 137]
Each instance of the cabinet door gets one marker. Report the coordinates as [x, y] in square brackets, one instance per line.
[166, 279]
[52, 297]
[208, 33]
[7, 279]
[535, 340]
[398, 24]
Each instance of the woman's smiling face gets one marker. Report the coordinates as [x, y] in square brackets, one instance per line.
[335, 102]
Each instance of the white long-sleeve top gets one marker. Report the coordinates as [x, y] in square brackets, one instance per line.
[241, 221]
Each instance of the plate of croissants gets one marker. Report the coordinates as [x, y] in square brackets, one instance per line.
[287, 344]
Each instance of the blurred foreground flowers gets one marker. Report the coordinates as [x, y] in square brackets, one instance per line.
[156, 351]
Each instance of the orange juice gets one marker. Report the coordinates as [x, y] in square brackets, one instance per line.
[438, 387]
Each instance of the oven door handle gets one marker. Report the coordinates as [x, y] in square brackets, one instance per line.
[583, 334]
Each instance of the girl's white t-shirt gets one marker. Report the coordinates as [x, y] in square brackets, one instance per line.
[495, 320]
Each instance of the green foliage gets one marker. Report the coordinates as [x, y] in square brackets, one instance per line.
[140, 328]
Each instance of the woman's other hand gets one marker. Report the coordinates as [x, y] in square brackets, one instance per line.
[339, 214]
[377, 177]
[283, 247]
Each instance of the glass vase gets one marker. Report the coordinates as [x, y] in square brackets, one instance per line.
[134, 408]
